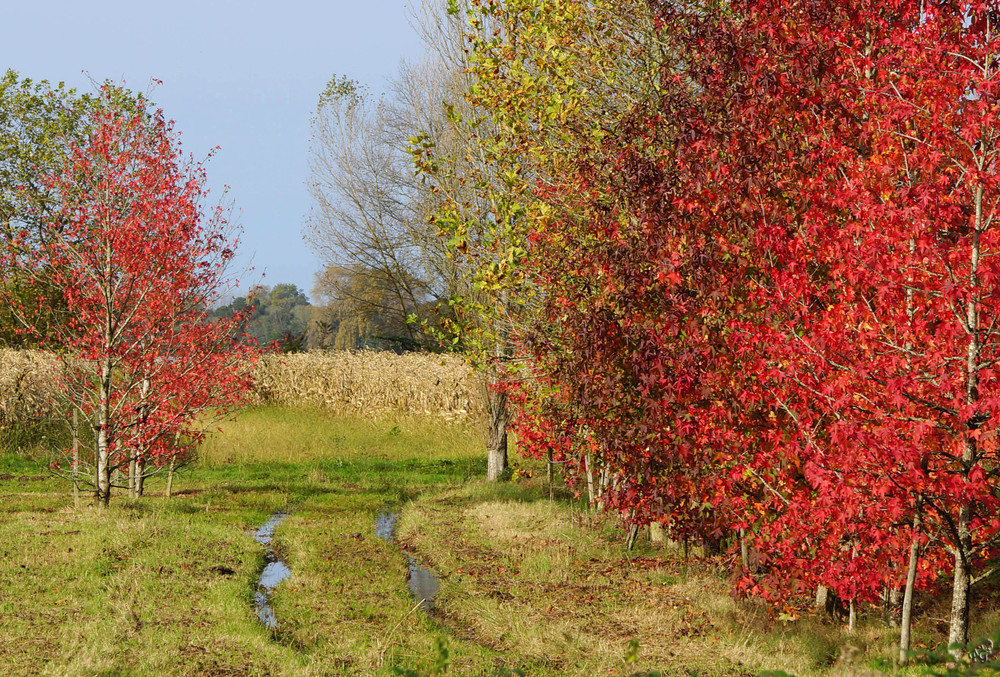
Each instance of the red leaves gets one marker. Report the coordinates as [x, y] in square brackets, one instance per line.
[770, 302]
[138, 265]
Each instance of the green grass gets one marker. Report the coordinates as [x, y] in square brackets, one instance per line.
[164, 586]
[137, 589]
[309, 437]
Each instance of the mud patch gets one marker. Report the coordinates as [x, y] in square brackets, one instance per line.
[274, 572]
[424, 584]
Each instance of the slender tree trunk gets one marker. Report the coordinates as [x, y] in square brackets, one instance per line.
[140, 477]
[137, 467]
[131, 474]
[499, 412]
[911, 578]
[656, 534]
[104, 403]
[590, 481]
[894, 600]
[852, 618]
[104, 437]
[76, 461]
[744, 551]
[822, 594]
[958, 630]
[633, 533]
[548, 472]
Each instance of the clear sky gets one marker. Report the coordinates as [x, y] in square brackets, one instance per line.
[240, 74]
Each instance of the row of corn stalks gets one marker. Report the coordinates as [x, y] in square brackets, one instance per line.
[371, 381]
[355, 382]
[29, 386]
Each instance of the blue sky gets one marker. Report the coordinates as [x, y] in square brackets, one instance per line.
[240, 74]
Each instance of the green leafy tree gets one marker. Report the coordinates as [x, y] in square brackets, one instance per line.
[281, 314]
[39, 120]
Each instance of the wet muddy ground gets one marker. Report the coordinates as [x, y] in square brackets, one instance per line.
[274, 572]
[423, 582]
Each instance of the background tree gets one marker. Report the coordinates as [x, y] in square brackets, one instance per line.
[281, 313]
[374, 217]
[369, 223]
[38, 122]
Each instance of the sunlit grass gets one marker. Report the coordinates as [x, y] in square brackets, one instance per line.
[307, 435]
[164, 586]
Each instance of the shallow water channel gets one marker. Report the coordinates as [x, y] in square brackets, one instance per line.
[423, 582]
[274, 571]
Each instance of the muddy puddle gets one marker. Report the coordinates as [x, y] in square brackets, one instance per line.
[274, 571]
[424, 583]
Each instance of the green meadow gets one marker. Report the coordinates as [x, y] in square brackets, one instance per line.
[165, 586]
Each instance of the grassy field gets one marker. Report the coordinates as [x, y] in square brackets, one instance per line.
[165, 586]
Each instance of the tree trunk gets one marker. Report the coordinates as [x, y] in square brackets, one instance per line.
[499, 412]
[656, 534]
[822, 593]
[907, 613]
[104, 437]
[137, 463]
[894, 597]
[744, 551]
[548, 472]
[958, 630]
[131, 475]
[140, 477]
[76, 462]
[852, 618]
[590, 481]
[633, 533]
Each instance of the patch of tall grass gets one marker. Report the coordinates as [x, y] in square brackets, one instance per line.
[296, 435]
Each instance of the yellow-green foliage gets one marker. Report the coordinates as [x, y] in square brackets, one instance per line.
[369, 381]
[28, 386]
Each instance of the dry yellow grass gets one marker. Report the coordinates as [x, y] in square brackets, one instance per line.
[356, 382]
[556, 588]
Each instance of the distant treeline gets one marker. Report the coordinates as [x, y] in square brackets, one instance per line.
[284, 315]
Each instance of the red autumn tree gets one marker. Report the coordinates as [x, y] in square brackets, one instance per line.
[138, 262]
[767, 293]
[861, 156]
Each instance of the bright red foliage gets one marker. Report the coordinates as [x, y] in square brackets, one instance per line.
[771, 304]
[138, 263]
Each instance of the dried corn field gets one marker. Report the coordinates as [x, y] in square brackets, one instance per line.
[29, 387]
[355, 382]
[369, 381]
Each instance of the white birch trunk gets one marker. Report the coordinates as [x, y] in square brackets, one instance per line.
[907, 612]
